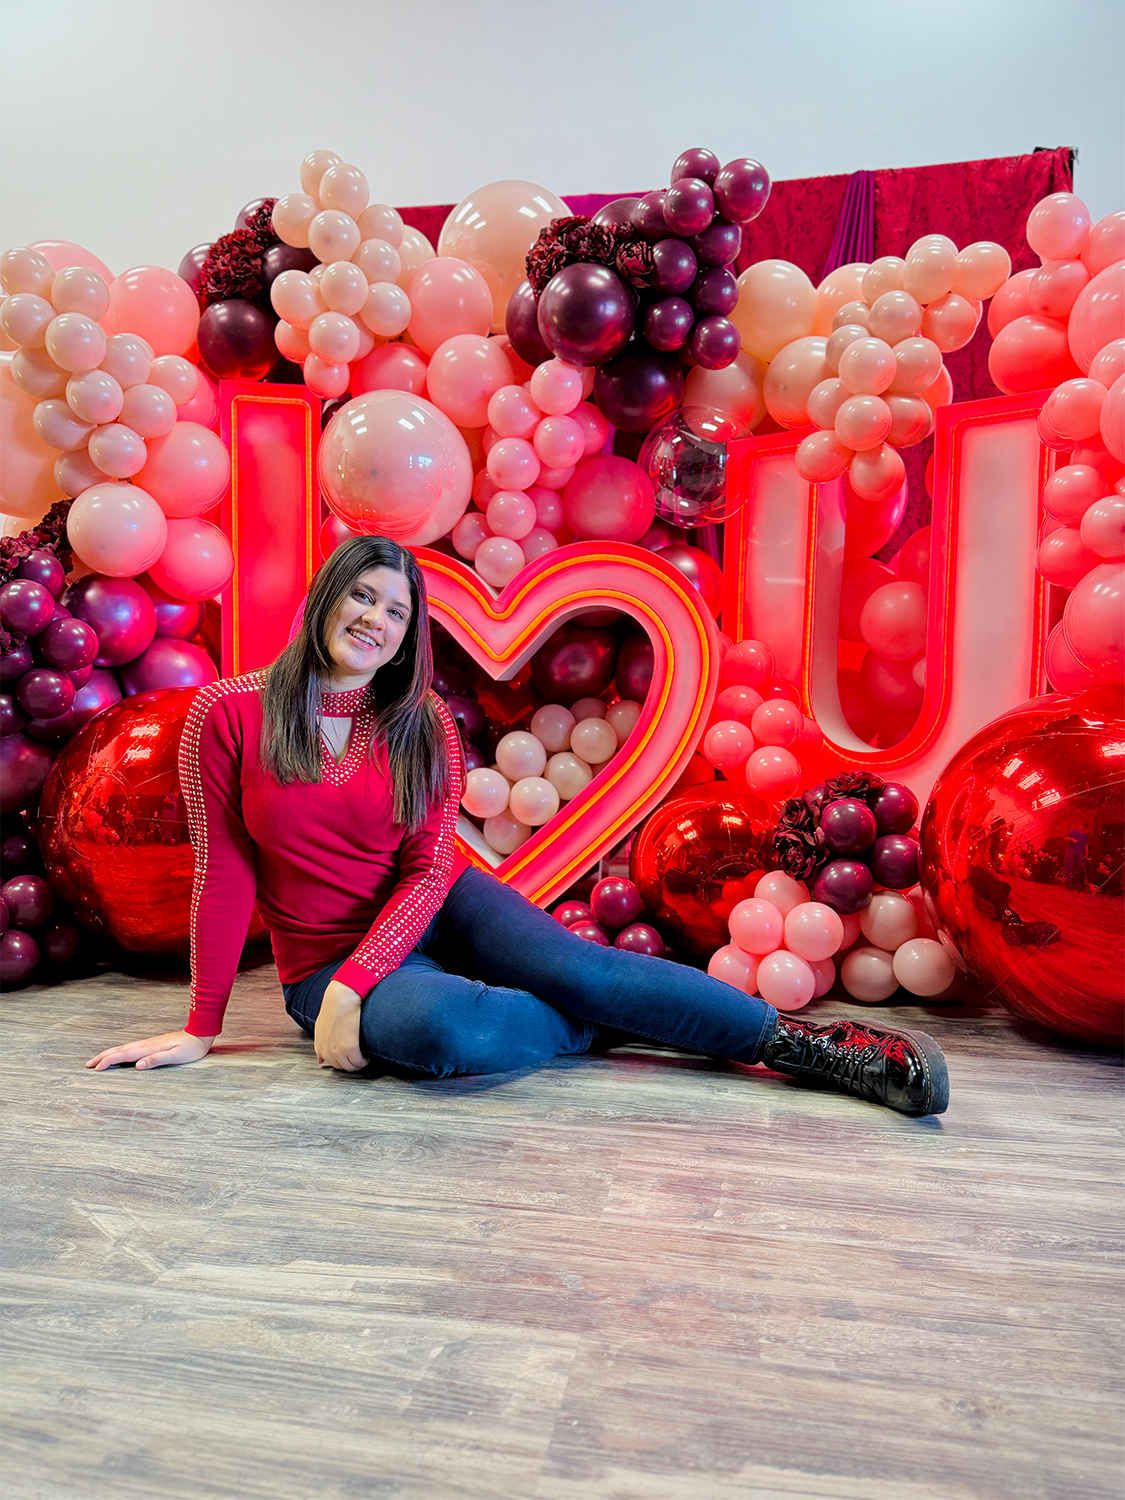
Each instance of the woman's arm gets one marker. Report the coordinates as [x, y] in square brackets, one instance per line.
[155, 1051]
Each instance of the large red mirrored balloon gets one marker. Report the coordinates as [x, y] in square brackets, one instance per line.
[1022, 861]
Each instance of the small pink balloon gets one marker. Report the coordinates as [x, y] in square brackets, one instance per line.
[176, 375]
[64, 253]
[75, 472]
[923, 967]
[149, 410]
[187, 471]
[156, 304]
[75, 342]
[390, 367]
[950, 322]
[867, 367]
[569, 774]
[813, 931]
[782, 891]
[734, 967]
[533, 800]
[622, 718]
[594, 740]
[333, 235]
[911, 420]
[58, 426]
[196, 562]
[893, 621]
[513, 464]
[37, 375]
[485, 794]
[792, 374]
[821, 456]
[726, 745]
[756, 926]
[1070, 490]
[931, 264]
[895, 315]
[824, 973]
[1103, 528]
[79, 289]
[467, 535]
[556, 479]
[595, 428]
[556, 387]
[117, 450]
[551, 726]
[1111, 419]
[785, 980]
[117, 529]
[447, 297]
[918, 364]
[498, 560]
[776, 723]
[1106, 243]
[94, 396]
[323, 378]
[588, 708]
[773, 773]
[863, 422]
[1094, 621]
[511, 513]
[295, 297]
[203, 407]
[1065, 673]
[377, 260]
[559, 442]
[1054, 288]
[292, 215]
[128, 358]
[1058, 227]
[512, 412]
[1063, 558]
[333, 338]
[24, 270]
[878, 474]
[982, 269]
[465, 373]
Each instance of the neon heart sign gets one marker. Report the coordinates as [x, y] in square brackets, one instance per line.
[502, 633]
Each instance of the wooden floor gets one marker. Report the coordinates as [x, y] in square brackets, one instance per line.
[637, 1277]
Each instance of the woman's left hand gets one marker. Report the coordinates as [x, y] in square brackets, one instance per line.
[336, 1036]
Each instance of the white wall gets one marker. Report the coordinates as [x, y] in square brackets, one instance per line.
[138, 128]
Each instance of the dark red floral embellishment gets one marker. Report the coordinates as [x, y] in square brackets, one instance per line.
[233, 267]
[48, 534]
[567, 241]
[634, 263]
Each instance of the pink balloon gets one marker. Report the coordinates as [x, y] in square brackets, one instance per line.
[893, 621]
[911, 420]
[94, 396]
[560, 442]
[537, 542]
[1058, 227]
[734, 967]
[1012, 301]
[776, 722]
[756, 926]
[149, 410]
[1106, 243]
[196, 562]
[27, 481]
[1112, 419]
[813, 931]
[867, 366]
[334, 338]
[75, 472]
[498, 559]
[511, 513]
[1065, 672]
[791, 375]
[513, 464]
[187, 471]
[323, 378]
[1063, 558]
[467, 535]
[390, 367]
[1070, 490]
[62, 253]
[1098, 315]
[860, 580]
[117, 450]
[892, 684]
[203, 407]
[781, 890]
[158, 305]
[1055, 287]
[821, 456]
[786, 980]
[917, 365]
[1094, 621]
[464, 374]
[556, 387]
[773, 773]
[447, 297]
[177, 376]
[117, 529]
[950, 322]
[512, 412]
[609, 499]
[727, 744]
[871, 523]
[75, 342]
[877, 474]
[595, 428]
[1073, 409]
[1105, 367]
[1030, 354]
[1103, 528]
[863, 422]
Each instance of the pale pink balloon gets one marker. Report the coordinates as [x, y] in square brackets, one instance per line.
[344, 287]
[25, 319]
[852, 315]
[511, 513]
[203, 407]
[777, 303]
[594, 741]
[390, 367]
[727, 402]
[813, 931]
[1094, 621]
[117, 529]
[826, 399]
[440, 522]
[888, 920]
[468, 534]
[1106, 366]
[882, 275]
[622, 718]
[776, 722]
[379, 221]
[58, 426]
[520, 754]
[1055, 287]
[893, 621]
[982, 269]
[569, 774]
[950, 322]
[24, 270]
[1111, 422]
[772, 773]
[117, 450]
[867, 367]
[912, 419]
[734, 967]
[295, 297]
[1098, 315]
[556, 479]
[148, 410]
[895, 316]
[1058, 227]
[387, 310]
[447, 297]
[919, 364]
[792, 374]
[595, 428]
[415, 250]
[548, 507]
[1106, 243]
[94, 396]
[498, 560]
[868, 975]
[178, 376]
[512, 412]
[485, 794]
[314, 167]
[75, 472]
[77, 289]
[75, 342]
[941, 392]
[513, 464]
[37, 375]
[863, 422]
[551, 725]
[931, 264]
[1070, 490]
[128, 358]
[63, 253]
[894, 684]
[756, 926]
[782, 891]
[534, 800]
[494, 228]
[1012, 301]
[821, 457]
[726, 745]
[292, 216]
[786, 980]
[465, 372]
[292, 341]
[333, 338]
[27, 484]
[197, 561]
[156, 304]
[1073, 409]
[556, 387]
[1065, 673]
[1063, 558]
[852, 933]
[324, 378]
[333, 235]
[187, 471]
[505, 834]
[838, 341]
[923, 967]
[840, 287]
[344, 187]
[377, 261]
[824, 973]
[560, 442]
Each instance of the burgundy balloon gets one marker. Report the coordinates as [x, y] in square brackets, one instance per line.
[674, 266]
[100, 692]
[696, 162]
[247, 212]
[26, 606]
[473, 758]
[81, 676]
[714, 292]
[191, 267]
[845, 885]
[279, 258]
[848, 826]
[521, 324]
[715, 343]
[620, 211]
[742, 190]
[19, 958]
[24, 764]
[467, 715]
[639, 388]
[43, 567]
[668, 324]
[235, 340]
[633, 672]
[648, 216]
[176, 619]
[44, 693]
[719, 243]
[447, 679]
[576, 662]
[11, 720]
[18, 852]
[586, 314]
[15, 662]
[167, 663]
[61, 611]
[895, 808]
[30, 900]
[68, 644]
[119, 611]
[569, 912]
[3, 916]
[616, 902]
[894, 861]
[52, 731]
[639, 937]
[689, 206]
[59, 943]
[590, 932]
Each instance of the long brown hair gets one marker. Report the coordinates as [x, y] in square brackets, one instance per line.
[408, 721]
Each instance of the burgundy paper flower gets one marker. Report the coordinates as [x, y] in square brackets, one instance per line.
[863, 785]
[233, 267]
[545, 259]
[798, 842]
[577, 238]
[634, 263]
[48, 534]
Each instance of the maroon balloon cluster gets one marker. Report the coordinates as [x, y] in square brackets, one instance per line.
[610, 917]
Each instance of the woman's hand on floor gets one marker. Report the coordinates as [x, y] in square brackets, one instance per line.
[336, 1037]
[165, 1051]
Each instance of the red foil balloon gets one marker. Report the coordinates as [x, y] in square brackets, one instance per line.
[1022, 861]
[691, 858]
[113, 828]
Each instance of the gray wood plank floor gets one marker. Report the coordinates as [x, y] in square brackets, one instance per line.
[638, 1277]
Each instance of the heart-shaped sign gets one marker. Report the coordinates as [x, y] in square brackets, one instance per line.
[501, 634]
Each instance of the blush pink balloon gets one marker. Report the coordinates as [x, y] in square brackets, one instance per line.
[786, 980]
[447, 297]
[512, 412]
[776, 722]
[149, 410]
[813, 931]
[791, 376]
[878, 474]
[894, 316]
[863, 422]
[950, 322]
[734, 967]
[513, 464]
[727, 744]
[1072, 489]
[867, 366]
[156, 304]
[390, 367]
[117, 450]
[756, 926]
[1063, 557]
[821, 456]
[1074, 409]
[465, 372]
[610, 499]
[982, 269]
[1094, 621]
[918, 364]
[893, 621]
[912, 419]
[595, 428]
[1065, 673]
[772, 773]
[560, 442]
[1098, 315]
[1012, 301]
[467, 535]
[1058, 227]
[511, 513]
[57, 425]
[197, 561]
[128, 358]
[498, 559]
[63, 253]
[94, 396]
[177, 376]
[117, 529]
[186, 471]
[1103, 528]
[1055, 287]
[1111, 421]
[1106, 243]
[781, 890]
[871, 523]
[556, 387]
[203, 407]
[334, 339]
[75, 342]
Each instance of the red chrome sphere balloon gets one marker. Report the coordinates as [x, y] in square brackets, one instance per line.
[692, 857]
[1023, 845]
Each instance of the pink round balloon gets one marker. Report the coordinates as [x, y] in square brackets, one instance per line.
[513, 464]
[734, 967]
[533, 800]
[465, 372]
[1094, 621]
[511, 513]
[498, 559]
[727, 744]
[1103, 528]
[117, 529]
[792, 374]
[773, 773]
[197, 561]
[468, 534]
[813, 931]
[117, 450]
[595, 428]
[486, 793]
[551, 726]
[128, 358]
[912, 419]
[512, 412]
[923, 966]
[609, 499]
[37, 375]
[893, 621]
[75, 472]
[756, 926]
[1070, 490]
[158, 305]
[559, 442]
[556, 387]
[167, 663]
[334, 338]
[1058, 226]
[447, 297]
[1065, 673]
[776, 723]
[868, 366]
[863, 422]
[785, 980]
[1055, 287]
[64, 253]
[75, 342]
[187, 471]
[1106, 243]
[203, 407]
[1031, 353]
[821, 456]
[950, 322]
[877, 474]
[782, 891]
[1111, 419]
[1064, 558]
[57, 425]
[390, 367]
[177, 376]
[94, 396]
[149, 410]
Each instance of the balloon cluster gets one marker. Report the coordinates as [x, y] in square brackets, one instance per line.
[36, 933]
[610, 917]
[861, 356]
[1077, 299]
[885, 609]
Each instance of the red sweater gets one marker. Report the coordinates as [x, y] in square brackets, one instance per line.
[330, 871]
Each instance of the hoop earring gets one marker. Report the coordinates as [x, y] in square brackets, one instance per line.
[397, 661]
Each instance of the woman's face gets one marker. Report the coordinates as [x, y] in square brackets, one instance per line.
[368, 627]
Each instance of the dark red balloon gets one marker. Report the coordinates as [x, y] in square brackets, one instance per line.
[668, 324]
[44, 568]
[789, 692]
[590, 932]
[521, 323]
[15, 662]
[191, 267]
[54, 730]
[473, 758]
[689, 206]
[30, 900]
[247, 212]
[44, 693]
[176, 619]
[616, 902]
[895, 808]
[633, 671]
[3, 916]
[648, 216]
[845, 885]
[848, 826]
[639, 388]
[333, 533]
[742, 190]
[19, 958]
[718, 245]
[467, 715]
[26, 606]
[569, 912]
[235, 340]
[715, 343]
[167, 663]
[18, 852]
[24, 764]
[576, 662]
[894, 861]
[102, 690]
[119, 611]
[11, 720]
[640, 938]
[674, 266]
[586, 314]
[81, 676]
[59, 943]
[714, 292]
[68, 644]
[620, 211]
[689, 853]
[696, 162]
[699, 569]
[279, 258]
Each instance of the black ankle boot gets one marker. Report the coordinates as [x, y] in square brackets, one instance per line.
[904, 1070]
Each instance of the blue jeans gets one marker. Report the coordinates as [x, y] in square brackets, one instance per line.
[496, 984]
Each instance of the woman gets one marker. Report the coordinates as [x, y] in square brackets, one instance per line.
[326, 790]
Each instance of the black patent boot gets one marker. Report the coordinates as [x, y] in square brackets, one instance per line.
[905, 1070]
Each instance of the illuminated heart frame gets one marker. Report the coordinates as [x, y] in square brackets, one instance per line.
[503, 632]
